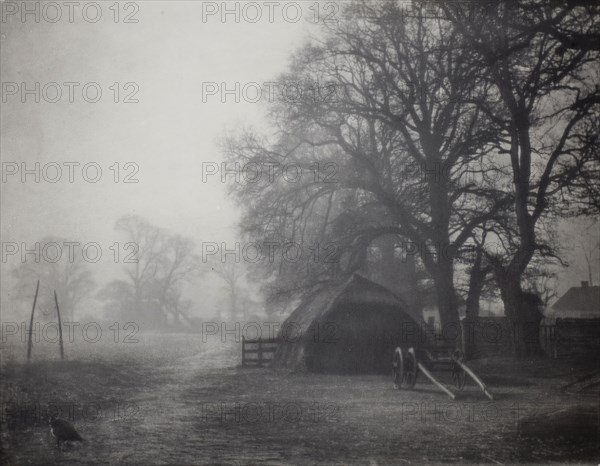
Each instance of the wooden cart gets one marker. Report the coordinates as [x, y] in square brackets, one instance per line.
[407, 363]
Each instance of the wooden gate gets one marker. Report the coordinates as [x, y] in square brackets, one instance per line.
[258, 352]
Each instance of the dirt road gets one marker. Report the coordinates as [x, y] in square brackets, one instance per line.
[194, 405]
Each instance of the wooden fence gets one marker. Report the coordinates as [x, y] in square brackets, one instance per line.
[569, 337]
[258, 352]
[548, 340]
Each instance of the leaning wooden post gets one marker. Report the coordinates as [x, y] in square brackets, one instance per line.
[243, 351]
[430, 376]
[60, 337]
[37, 288]
[260, 351]
[477, 380]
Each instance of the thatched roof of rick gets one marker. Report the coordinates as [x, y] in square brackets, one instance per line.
[348, 327]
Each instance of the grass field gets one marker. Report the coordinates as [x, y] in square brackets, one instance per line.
[171, 399]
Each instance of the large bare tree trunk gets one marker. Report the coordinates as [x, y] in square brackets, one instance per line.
[443, 267]
[511, 292]
[523, 311]
[447, 303]
[476, 282]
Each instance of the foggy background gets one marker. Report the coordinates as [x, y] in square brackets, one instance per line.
[169, 133]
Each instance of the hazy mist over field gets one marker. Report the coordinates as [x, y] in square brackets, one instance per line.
[169, 133]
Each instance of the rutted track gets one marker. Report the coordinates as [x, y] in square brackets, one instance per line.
[194, 405]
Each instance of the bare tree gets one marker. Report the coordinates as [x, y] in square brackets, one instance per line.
[544, 285]
[589, 244]
[177, 265]
[232, 275]
[546, 109]
[403, 132]
[162, 264]
[148, 243]
[69, 275]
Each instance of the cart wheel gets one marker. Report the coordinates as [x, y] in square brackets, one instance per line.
[398, 368]
[458, 375]
[410, 368]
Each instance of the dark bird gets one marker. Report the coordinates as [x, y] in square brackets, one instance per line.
[63, 431]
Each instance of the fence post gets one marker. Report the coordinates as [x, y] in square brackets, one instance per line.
[60, 335]
[243, 350]
[29, 343]
[260, 352]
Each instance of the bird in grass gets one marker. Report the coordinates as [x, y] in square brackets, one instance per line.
[63, 431]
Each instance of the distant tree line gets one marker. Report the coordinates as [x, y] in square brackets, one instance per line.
[153, 290]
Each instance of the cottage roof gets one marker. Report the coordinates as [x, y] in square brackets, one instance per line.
[580, 298]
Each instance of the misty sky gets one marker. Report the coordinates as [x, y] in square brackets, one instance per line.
[169, 53]
[168, 134]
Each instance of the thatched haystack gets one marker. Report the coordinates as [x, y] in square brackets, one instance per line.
[350, 327]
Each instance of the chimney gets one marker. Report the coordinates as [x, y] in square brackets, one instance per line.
[584, 284]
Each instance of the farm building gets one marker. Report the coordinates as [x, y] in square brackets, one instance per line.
[580, 302]
[349, 327]
[572, 324]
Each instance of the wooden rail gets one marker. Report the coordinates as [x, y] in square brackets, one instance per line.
[264, 349]
[548, 339]
[570, 337]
